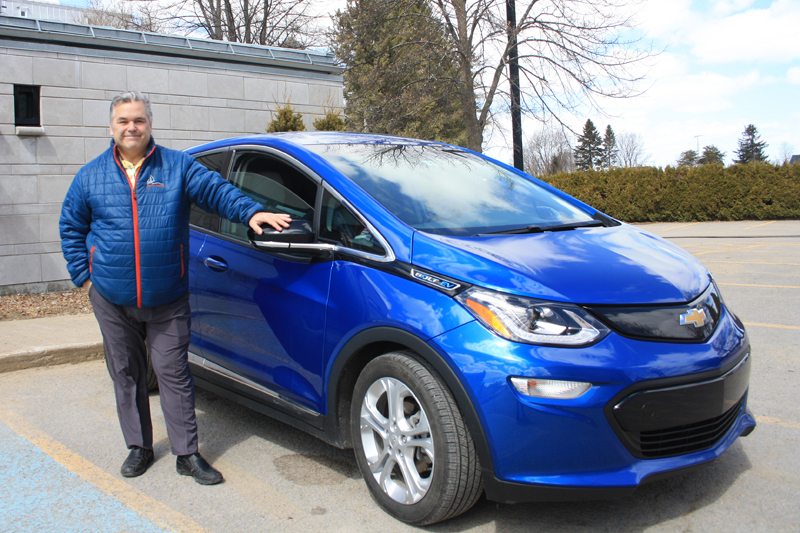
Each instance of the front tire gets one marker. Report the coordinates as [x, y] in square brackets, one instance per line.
[411, 444]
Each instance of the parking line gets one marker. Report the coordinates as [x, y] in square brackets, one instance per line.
[764, 224]
[148, 507]
[759, 285]
[778, 326]
[776, 422]
[678, 227]
[732, 249]
[753, 262]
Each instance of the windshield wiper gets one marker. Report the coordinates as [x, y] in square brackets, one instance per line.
[544, 229]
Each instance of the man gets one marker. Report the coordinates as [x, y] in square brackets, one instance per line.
[125, 235]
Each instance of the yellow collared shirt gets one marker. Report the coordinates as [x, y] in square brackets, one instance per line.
[132, 169]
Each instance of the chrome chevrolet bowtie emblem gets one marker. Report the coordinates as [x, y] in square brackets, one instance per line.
[695, 317]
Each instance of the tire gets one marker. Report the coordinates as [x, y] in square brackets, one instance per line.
[152, 380]
[420, 467]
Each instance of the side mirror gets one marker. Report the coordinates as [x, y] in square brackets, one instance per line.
[299, 232]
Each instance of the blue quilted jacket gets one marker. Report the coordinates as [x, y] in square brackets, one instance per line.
[134, 243]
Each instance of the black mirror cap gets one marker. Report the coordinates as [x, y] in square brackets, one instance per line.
[299, 232]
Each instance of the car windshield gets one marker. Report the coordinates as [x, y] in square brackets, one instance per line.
[445, 190]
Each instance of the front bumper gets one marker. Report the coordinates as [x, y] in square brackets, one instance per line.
[547, 450]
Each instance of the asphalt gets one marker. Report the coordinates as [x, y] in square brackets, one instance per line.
[74, 339]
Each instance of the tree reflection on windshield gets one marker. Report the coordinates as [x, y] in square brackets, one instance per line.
[441, 189]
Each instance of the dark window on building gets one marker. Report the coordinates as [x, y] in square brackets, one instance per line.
[26, 105]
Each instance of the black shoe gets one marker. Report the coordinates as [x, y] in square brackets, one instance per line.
[194, 465]
[137, 462]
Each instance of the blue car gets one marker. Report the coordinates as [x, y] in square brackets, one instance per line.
[463, 327]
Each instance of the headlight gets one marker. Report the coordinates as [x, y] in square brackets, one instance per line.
[532, 321]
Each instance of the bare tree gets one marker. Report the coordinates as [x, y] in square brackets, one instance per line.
[548, 152]
[142, 16]
[571, 52]
[785, 154]
[631, 150]
[285, 23]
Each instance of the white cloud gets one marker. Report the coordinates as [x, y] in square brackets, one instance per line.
[754, 35]
[793, 75]
[727, 7]
[675, 88]
[666, 20]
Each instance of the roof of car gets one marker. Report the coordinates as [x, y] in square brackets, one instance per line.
[334, 137]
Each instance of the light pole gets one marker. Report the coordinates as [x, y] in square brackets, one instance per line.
[513, 74]
[697, 137]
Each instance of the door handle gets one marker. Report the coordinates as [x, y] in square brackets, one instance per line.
[217, 264]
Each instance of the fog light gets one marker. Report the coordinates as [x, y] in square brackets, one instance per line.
[550, 388]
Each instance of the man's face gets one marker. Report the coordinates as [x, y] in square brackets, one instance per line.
[131, 129]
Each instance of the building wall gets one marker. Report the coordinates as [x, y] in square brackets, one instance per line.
[41, 10]
[193, 101]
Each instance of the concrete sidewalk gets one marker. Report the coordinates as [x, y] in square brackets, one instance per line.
[73, 339]
[49, 341]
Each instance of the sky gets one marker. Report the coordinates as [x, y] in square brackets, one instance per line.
[722, 64]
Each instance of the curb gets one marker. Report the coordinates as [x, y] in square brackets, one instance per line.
[50, 356]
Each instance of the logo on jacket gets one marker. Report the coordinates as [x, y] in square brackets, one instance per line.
[695, 317]
[151, 182]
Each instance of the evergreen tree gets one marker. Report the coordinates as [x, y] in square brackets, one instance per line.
[400, 77]
[286, 120]
[610, 151]
[711, 155]
[688, 159]
[588, 151]
[330, 121]
[751, 147]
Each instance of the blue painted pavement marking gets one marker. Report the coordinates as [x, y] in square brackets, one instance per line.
[38, 494]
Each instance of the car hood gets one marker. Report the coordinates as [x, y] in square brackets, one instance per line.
[607, 265]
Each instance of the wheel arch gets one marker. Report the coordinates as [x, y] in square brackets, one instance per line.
[371, 343]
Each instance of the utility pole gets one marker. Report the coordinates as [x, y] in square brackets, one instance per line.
[697, 138]
[513, 74]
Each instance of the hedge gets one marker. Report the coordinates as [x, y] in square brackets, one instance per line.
[757, 191]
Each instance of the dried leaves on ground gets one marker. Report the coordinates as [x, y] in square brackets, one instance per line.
[23, 306]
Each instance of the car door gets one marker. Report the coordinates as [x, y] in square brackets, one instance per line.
[262, 314]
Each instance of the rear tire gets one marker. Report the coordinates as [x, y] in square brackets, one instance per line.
[411, 444]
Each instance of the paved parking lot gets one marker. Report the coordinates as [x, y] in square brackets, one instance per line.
[60, 446]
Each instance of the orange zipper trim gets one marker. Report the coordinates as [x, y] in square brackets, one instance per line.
[135, 205]
[91, 258]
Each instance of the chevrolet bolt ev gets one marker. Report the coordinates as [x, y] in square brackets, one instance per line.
[462, 326]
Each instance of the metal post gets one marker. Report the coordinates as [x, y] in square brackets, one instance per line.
[513, 74]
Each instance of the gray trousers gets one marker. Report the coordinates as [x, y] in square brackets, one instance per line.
[166, 328]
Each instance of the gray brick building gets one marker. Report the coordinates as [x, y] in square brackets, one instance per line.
[56, 82]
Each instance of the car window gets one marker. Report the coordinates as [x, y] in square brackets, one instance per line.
[279, 187]
[339, 225]
[217, 162]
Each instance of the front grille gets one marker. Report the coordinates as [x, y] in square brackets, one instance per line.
[684, 439]
[665, 322]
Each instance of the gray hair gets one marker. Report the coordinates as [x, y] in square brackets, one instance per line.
[127, 98]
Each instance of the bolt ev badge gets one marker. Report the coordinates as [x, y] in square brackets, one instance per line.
[695, 317]
[433, 280]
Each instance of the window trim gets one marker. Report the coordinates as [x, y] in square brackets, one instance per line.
[387, 258]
